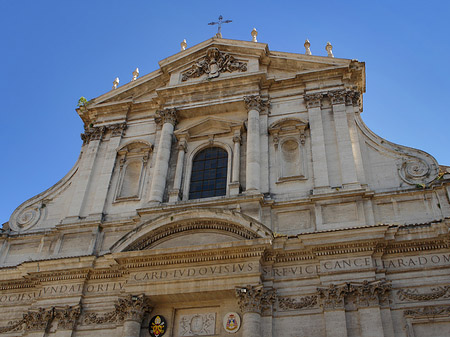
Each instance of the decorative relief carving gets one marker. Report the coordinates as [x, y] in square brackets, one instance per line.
[341, 96]
[167, 116]
[332, 297]
[416, 171]
[213, 64]
[255, 102]
[414, 295]
[428, 311]
[97, 133]
[40, 319]
[197, 325]
[255, 298]
[367, 293]
[28, 217]
[288, 303]
[129, 308]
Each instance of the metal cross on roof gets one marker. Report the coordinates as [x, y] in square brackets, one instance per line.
[219, 23]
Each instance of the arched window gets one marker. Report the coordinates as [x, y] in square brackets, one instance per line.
[209, 173]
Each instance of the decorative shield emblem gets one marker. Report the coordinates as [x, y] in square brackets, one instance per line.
[157, 326]
[231, 322]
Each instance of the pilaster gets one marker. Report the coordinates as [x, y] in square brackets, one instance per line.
[168, 119]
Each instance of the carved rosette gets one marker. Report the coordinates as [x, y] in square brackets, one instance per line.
[255, 102]
[213, 64]
[167, 116]
[255, 298]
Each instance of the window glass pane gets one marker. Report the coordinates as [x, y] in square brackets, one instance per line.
[209, 173]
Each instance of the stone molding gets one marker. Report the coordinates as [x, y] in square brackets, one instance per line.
[306, 302]
[213, 64]
[414, 295]
[167, 116]
[165, 231]
[97, 132]
[129, 308]
[365, 294]
[255, 102]
[255, 298]
[340, 96]
[40, 319]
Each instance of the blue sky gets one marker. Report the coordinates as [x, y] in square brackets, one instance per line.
[53, 52]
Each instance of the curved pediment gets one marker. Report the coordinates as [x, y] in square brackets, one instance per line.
[191, 228]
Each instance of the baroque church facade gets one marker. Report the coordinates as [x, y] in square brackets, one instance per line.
[235, 191]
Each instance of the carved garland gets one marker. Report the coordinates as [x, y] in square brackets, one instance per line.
[213, 64]
[287, 303]
[414, 295]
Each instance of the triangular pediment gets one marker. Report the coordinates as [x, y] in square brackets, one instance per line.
[209, 126]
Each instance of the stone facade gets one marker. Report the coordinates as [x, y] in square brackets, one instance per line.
[319, 227]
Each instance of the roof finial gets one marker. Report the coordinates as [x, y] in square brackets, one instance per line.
[307, 47]
[329, 49]
[219, 28]
[183, 45]
[115, 83]
[254, 35]
[135, 74]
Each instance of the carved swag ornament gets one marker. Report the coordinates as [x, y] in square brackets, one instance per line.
[130, 308]
[414, 295]
[213, 64]
[41, 319]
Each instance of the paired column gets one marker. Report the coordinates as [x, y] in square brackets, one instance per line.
[168, 118]
[252, 301]
[175, 193]
[320, 167]
[254, 105]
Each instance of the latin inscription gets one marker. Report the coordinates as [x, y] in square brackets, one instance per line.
[195, 272]
[48, 291]
[409, 262]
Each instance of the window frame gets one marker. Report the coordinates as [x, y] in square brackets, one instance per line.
[189, 163]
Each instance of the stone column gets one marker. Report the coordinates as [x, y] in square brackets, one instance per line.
[175, 193]
[252, 300]
[133, 308]
[234, 185]
[254, 105]
[168, 118]
[332, 302]
[344, 143]
[320, 167]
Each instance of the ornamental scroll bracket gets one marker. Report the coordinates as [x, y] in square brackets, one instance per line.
[213, 64]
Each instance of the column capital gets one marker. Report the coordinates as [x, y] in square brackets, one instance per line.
[182, 145]
[313, 100]
[332, 297]
[344, 96]
[255, 298]
[255, 102]
[167, 116]
[371, 293]
[133, 307]
[237, 139]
